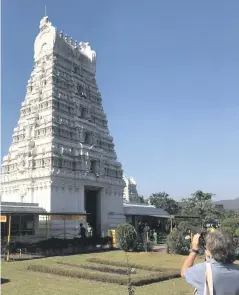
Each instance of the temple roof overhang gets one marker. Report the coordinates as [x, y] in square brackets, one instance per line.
[18, 208]
[145, 210]
[12, 208]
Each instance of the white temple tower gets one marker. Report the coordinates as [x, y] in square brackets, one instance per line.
[130, 191]
[62, 155]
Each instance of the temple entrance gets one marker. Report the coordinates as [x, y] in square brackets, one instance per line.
[92, 206]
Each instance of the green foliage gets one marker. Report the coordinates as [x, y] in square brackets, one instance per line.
[237, 232]
[162, 200]
[231, 214]
[143, 200]
[176, 239]
[184, 227]
[126, 236]
[176, 242]
[149, 276]
[230, 225]
[96, 267]
[124, 264]
[200, 204]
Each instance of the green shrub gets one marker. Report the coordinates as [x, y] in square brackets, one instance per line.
[176, 239]
[126, 236]
[177, 243]
[141, 245]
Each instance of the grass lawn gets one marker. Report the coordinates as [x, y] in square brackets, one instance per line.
[23, 282]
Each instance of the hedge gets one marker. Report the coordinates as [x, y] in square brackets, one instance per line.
[133, 265]
[102, 268]
[106, 278]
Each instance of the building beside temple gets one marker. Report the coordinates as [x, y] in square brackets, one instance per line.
[136, 210]
[62, 155]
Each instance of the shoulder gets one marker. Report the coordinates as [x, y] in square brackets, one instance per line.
[197, 267]
[195, 273]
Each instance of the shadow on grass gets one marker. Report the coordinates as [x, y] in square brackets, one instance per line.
[4, 281]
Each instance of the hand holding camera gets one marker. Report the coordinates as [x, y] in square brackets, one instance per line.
[195, 242]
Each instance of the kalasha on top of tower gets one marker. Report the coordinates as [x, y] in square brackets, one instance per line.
[49, 39]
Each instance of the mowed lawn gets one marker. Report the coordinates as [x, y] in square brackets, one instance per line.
[23, 282]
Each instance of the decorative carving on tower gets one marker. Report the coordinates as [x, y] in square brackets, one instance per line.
[62, 130]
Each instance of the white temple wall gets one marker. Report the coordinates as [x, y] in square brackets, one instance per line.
[42, 196]
[67, 197]
[111, 208]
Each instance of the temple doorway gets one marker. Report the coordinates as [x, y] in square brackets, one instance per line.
[93, 208]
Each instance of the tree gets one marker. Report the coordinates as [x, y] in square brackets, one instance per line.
[230, 214]
[230, 225]
[143, 200]
[200, 204]
[163, 201]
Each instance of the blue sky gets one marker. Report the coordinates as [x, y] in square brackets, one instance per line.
[168, 73]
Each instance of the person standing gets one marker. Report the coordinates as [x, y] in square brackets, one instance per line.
[82, 232]
[89, 230]
[218, 275]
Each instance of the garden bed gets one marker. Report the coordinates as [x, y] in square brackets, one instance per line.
[108, 272]
[102, 268]
[132, 265]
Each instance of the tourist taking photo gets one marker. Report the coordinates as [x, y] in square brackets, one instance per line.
[218, 275]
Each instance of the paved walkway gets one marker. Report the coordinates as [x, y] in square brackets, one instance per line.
[159, 248]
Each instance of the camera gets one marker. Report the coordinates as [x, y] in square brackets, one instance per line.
[202, 239]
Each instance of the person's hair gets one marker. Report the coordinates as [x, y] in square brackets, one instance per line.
[220, 245]
[81, 224]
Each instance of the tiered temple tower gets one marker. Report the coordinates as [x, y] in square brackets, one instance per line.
[130, 191]
[62, 155]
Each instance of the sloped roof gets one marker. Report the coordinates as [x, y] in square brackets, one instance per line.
[144, 210]
[12, 207]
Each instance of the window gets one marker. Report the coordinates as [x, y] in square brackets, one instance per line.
[79, 89]
[60, 163]
[107, 172]
[87, 138]
[93, 166]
